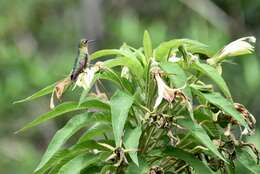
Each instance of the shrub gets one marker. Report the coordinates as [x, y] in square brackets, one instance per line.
[161, 114]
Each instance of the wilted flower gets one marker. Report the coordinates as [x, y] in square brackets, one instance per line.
[59, 89]
[156, 170]
[238, 47]
[165, 92]
[249, 118]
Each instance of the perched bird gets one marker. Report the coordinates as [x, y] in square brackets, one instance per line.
[81, 60]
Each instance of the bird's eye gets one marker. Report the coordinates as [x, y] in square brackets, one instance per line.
[85, 41]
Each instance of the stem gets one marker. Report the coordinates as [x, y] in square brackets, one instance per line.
[181, 168]
[147, 82]
[151, 130]
[156, 142]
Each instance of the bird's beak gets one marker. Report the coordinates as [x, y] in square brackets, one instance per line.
[89, 41]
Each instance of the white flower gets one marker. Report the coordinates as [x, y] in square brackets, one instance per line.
[52, 105]
[125, 73]
[174, 58]
[154, 63]
[238, 47]
[85, 78]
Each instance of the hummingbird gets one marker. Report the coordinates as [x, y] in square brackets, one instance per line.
[81, 61]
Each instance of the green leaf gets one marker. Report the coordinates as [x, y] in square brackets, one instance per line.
[132, 63]
[143, 168]
[162, 51]
[132, 137]
[201, 135]
[224, 104]
[246, 164]
[63, 156]
[109, 52]
[124, 57]
[75, 165]
[112, 76]
[177, 76]
[214, 75]
[98, 128]
[120, 104]
[194, 162]
[62, 136]
[148, 48]
[42, 92]
[65, 108]
[107, 168]
[106, 52]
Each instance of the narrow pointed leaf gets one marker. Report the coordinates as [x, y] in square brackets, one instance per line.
[120, 104]
[63, 156]
[65, 108]
[97, 129]
[162, 51]
[143, 168]
[132, 142]
[63, 135]
[42, 92]
[215, 76]
[107, 168]
[75, 165]
[109, 52]
[194, 162]
[224, 104]
[148, 49]
[201, 136]
[246, 164]
[106, 52]
[132, 63]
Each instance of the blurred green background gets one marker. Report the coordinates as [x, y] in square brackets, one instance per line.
[38, 40]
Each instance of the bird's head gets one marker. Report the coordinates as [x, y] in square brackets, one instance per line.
[83, 45]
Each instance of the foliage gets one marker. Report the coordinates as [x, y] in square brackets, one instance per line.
[162, 116]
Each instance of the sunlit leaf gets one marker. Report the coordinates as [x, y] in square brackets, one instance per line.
[132, 141]
[120, 104]
[162, 51]
[132, 63]
[109, 52]
[148, 48]
[42, 92]
[106, 52]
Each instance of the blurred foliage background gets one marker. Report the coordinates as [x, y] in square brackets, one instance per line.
[38, 42]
